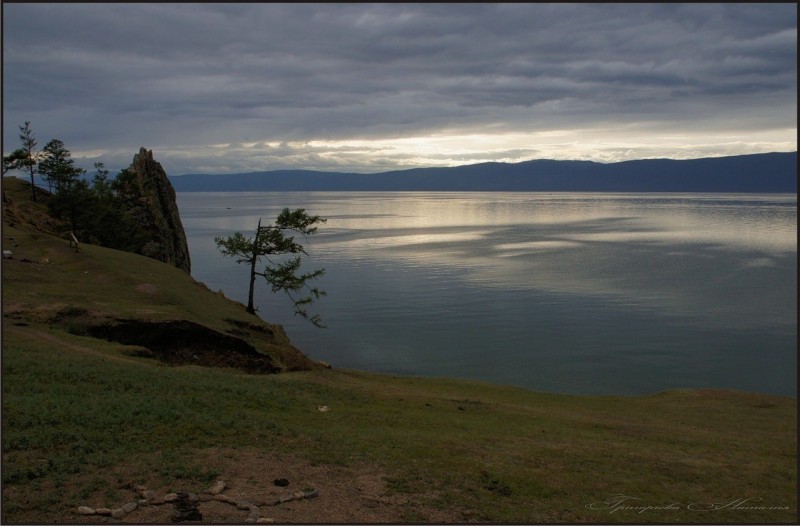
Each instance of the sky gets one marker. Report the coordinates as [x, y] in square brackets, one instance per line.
[229, 88]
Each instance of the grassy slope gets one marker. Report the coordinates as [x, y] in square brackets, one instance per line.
[97, 285]
[78, 411]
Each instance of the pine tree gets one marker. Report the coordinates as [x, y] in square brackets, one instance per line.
[57, 166]
[24, 158]
[72, 195]
[271, 242]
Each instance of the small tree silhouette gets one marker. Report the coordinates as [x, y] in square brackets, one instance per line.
[270, 242]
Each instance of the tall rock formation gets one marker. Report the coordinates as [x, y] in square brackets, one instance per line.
[157, 212]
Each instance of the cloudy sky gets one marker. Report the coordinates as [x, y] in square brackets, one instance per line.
[219, 88]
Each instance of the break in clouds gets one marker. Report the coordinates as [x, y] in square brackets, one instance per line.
[371, 87]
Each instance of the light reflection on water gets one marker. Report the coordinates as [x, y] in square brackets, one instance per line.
[581, 293]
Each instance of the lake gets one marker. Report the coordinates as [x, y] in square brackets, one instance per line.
[581, 293]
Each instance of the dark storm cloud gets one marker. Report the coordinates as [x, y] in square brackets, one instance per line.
[178, 77]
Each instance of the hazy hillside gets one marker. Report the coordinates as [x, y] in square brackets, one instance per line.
[767, 173]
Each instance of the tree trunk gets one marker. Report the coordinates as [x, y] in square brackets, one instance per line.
[33, 185]
[72, 218]
[250, 308]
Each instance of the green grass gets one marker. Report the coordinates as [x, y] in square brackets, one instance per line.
[510, 456]
[72, 290]
[81, 418]
[103, 280]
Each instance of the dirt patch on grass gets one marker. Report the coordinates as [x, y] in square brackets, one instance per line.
[345, 494]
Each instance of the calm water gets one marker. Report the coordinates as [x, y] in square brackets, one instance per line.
[570, 293]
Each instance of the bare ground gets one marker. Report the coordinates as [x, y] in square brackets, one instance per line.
[345, 494]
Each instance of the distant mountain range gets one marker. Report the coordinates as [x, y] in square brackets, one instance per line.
[767, 173]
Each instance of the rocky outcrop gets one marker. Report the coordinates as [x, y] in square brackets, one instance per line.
[157, 211]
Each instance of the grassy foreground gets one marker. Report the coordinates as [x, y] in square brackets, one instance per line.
[84, 419]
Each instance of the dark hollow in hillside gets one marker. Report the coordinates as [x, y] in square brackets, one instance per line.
[182, 342]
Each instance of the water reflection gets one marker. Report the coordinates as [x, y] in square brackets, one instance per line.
[435, 283]
[527, 247]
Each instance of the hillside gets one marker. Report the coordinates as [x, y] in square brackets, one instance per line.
[127, 298]
[94, 421]
[765, 173]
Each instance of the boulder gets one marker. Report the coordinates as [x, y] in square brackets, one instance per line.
[217, 488]
[225, 498]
